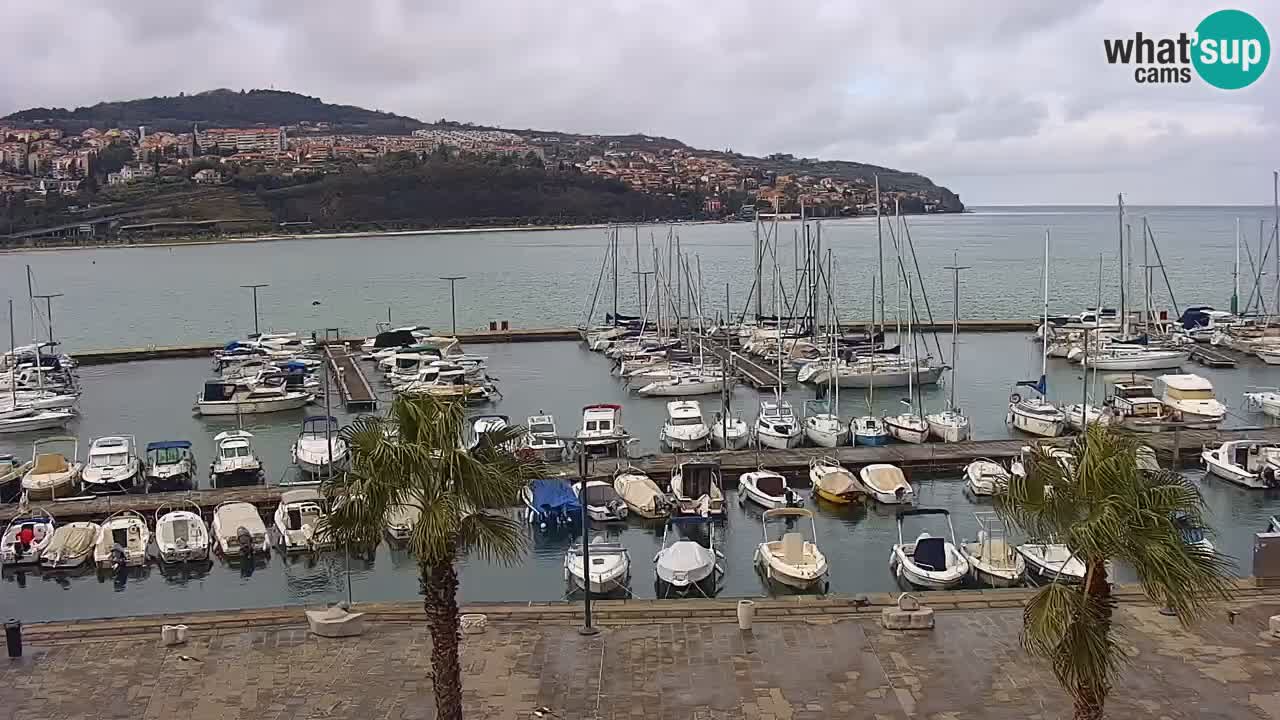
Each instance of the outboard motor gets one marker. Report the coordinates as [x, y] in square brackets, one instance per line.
[898, 492]
[245, 540]
[792, 498]
[1269, 477]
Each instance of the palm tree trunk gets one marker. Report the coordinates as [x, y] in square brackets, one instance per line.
[440, 600]
[1089, 699]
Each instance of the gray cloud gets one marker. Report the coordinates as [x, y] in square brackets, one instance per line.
[1003, 100]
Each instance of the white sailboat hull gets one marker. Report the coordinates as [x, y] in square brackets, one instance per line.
[292, 401]
[948, 430]
[907, 432]
[1034, 424]
[776, 441]
[922, 376]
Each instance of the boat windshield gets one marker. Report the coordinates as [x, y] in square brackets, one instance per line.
[542, 429]
[1191, 394]
[168, 456]
[111, 460]
[686, 421]
[233, 451]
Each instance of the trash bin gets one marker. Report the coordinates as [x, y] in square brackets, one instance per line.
[13, 637]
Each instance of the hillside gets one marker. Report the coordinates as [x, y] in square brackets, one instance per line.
[219, 108]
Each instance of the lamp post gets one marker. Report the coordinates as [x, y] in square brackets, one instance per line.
[255, 303]
[48, 310]
[587, 628]
[453, 312]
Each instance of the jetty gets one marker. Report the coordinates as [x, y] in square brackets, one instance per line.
[353, 386]
[1212, 357]
[918, 461]
[758, 376]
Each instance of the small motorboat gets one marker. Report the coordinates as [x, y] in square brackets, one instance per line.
[776, 426]
[684, 565]
[602, 501]
[53, 474]
[887, 484]
[822, 427]
[767, 489]
[170, 465]
[400, 522]
[1190, 399]
[985, 477]
[543, 441]
[181, 534]
[641, 494]
[1249, 463]
[122, 541]
[26, 538]
[481, 425]
[11, 472]
[319, 450]
[932, 563]
[696, 486]
[730, 433]
[791, 560]
[869, 430]
[238, 530]
[70, 546]
[610, 566]
[1263, 400]
[833, 482]
[685, 430]
[1052, 562]
[113, 465]
[552, 503]
[298, 518]
[221, 397]
[992, 560]
[602, 432]
[235, 462]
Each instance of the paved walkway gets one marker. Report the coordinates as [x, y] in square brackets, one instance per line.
[790, 668]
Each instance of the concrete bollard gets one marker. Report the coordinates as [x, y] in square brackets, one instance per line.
[473, 623]
[908, 615]
[171, 635]
[1274, 625]
[746, 614]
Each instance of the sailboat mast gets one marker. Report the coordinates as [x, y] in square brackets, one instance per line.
[1044, 352]
[1124, 315]
[13, 359]
[639, 276]
[955, 325]
[879, 260]
[31, 296]
[615, 274]
[759, 260]
[1128, 275]
[1275, 228]
[1235, 275]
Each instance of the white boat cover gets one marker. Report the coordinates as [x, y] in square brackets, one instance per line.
[838, 482]
[685, 562]
[884, 478]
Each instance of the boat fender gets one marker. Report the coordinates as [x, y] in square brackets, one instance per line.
[1015, 398]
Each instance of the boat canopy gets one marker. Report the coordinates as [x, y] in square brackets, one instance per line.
[697, 478]
[218, 390]
[554, 494]
[168, 444]
[399, 337]
[599, 495]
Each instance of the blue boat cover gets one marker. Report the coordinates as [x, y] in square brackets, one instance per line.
[554, 494]
[294, 365]
[233, 345]
[166, 444]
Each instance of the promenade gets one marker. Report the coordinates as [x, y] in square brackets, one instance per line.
[662, 660]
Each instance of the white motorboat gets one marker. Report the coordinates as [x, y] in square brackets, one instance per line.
[833, 482]
[319, 449]
[1264, 400]
[869, 430]
[767, 489]
[1250, 463]
[53, 474]
[400, 522]
[791, 560]
[181, 534]
[27, 419]
[238, 530]
[235, 462]
[1269, 354]
[26, 538]
[822, 427]
[610, 566]
[230, 398]
[1190, 400]
[992, 560]
[602, 501]
[11, 473]
[887, 484]
[730, 433]
[776, 426]
[297, 520]
[700, 383]
[1051, 562]
[122, 541]
[685, 430]
[543, 440]
[684, 565]
[986, 477]
[1035, 416]
[70, 546]
[170, 465]
[602, 432]
[696, 486]
[1077, 415]
[932, 563]
[113, 465]
[907, 427]
[1135, 407]
[1134, 357]
[641, 494]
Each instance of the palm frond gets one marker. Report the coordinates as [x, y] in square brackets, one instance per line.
[1072, 631]
[494, 536]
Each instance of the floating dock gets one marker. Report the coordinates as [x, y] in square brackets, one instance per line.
[353, 386]
[1211, 357]
[917, 460]
[755, 374]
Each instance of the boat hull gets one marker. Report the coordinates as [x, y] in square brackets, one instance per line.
[948, 432]
[1038, 425]
[826, 438]
[736, 441]
[775, 441]
[928, 376]
[252, 407]
[907, 433]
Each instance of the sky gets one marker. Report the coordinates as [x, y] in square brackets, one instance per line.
[1003, 101]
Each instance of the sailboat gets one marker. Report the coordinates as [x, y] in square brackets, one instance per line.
[1036, 415]
[822, 424]
[870, 429]
[951, 425]
[776, 425]
[909, 427]
[24, 415]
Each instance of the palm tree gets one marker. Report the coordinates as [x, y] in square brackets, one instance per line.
[1104, 507]
[414, 458]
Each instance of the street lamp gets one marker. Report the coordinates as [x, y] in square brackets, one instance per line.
[255, 303]
[453, 313]
[48, 310]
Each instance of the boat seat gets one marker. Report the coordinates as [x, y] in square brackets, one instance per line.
[793, 548]
[49, 463]
[931, 553]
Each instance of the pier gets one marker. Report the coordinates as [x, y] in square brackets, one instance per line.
[1211, 357]
[755, 374]
[929, 459]
[346, 372]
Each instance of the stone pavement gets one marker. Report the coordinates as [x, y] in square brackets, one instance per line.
[698, 667]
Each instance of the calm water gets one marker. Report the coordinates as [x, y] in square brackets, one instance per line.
[124, 297]
[152, 401]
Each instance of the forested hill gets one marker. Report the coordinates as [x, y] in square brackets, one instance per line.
[220, 108]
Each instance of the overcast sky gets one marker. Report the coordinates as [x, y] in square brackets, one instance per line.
[1003, 101]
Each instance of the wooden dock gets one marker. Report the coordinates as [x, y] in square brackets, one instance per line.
[353, 386]
[1211, 357]
[918, 461]
[755, 374]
